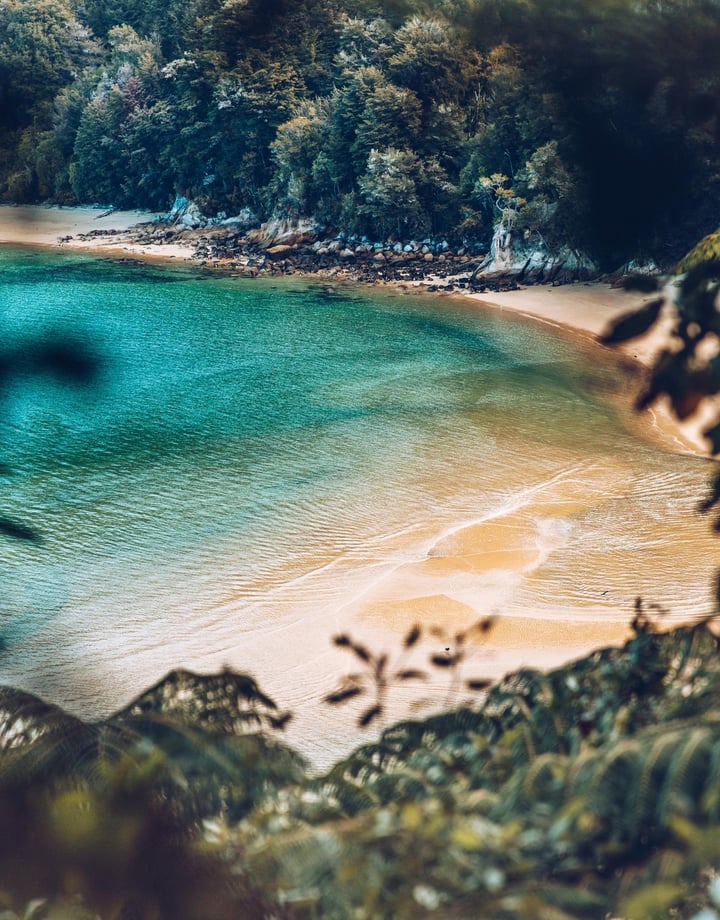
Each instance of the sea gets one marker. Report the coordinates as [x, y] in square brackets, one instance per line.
[259, 465]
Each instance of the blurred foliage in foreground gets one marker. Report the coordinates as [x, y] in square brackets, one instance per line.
[588, 791]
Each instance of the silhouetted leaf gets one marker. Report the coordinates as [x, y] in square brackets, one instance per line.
[362, 653]
[645, 284]
[479, 683]
[486, 624]
[713, 435]
[631, 325]
[380, 665]
[340, 696]
[412, 637]
[443, 661]
[342, 641]
[66, 359]
[367, 717]
[410, 674]
[662, 380]
[19, 531]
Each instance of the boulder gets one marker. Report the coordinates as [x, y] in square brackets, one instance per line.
[283, 230]
[186, 213]
[281, 251]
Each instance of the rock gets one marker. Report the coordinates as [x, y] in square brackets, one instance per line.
[280, 251]
[243, 220]
[530, 261]
[186, 213]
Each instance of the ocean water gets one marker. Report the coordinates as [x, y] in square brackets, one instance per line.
[260, 464]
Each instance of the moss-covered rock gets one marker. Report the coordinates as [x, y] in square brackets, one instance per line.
[707, 250]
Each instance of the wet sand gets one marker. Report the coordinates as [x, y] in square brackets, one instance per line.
[588, 309]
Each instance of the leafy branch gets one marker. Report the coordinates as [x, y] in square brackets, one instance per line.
[375, 677]
[379, 674]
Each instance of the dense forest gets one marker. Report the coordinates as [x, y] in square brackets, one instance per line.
[593, 124]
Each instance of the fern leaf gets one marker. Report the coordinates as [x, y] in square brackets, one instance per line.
[687, 774]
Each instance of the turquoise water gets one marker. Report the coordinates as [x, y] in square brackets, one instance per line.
[253, 452]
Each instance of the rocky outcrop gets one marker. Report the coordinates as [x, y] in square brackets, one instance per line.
[285, 247]
[529, 260]
[186, 214]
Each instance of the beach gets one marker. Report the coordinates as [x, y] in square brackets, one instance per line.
[554, 600]
[106, 230]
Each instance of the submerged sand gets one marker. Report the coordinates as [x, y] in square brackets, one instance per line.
[440, 586]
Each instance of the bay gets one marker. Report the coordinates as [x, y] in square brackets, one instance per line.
[260, 465]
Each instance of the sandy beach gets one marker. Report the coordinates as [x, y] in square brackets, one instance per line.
[439, 588]
[38, 225]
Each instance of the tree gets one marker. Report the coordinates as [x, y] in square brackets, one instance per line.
[429, 59]
[297, 145]
[42, 46]
[391, 117]
[98, 155]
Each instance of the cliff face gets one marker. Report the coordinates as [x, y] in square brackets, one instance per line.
[527, 258]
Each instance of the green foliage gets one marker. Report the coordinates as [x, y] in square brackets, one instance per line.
[525, 806]
[602, 116]
[687, 369]
[569, 794]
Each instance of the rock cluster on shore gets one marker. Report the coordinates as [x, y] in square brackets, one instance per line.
[241, 246]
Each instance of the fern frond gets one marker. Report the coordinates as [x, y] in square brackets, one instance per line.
[541, 780]
[687, 773]
[640, 815]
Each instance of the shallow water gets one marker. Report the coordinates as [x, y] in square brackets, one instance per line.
[261, 464]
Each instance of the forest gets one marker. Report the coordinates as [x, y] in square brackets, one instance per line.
[588, 124]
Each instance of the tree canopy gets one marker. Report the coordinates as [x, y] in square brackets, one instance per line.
[602, 117]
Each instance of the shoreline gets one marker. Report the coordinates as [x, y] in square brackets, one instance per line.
[583, 308]
[414, 590]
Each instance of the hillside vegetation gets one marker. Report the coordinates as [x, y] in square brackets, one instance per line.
[587, 792]
[593, 124]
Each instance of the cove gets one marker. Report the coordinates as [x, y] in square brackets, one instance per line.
[260, 465]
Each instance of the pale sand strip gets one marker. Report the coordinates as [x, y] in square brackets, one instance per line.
[51, 226]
